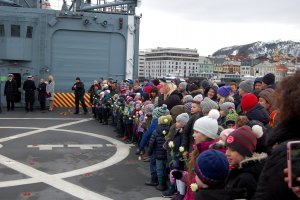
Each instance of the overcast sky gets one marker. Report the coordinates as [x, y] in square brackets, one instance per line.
[209, 25]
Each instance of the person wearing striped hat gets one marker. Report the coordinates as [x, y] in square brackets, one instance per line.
[246, 165]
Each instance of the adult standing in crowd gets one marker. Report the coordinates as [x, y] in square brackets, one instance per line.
[171, 95]
[268, 81]
[10, 91]
[29, 88]
[271, 185]
[79, 91]
[42, 93]
[50, 91]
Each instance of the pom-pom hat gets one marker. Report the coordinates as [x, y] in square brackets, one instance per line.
[208, 125]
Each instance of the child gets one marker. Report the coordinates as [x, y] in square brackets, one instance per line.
[175, 135]
[212, 169]
[187, 137]
[205, 133]
[224, 111]
[245, 165]
[156, 149]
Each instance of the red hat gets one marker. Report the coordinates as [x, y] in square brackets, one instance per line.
[248, 102]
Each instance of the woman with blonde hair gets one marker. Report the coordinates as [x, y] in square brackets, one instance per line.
[171, 95]
[50, 91]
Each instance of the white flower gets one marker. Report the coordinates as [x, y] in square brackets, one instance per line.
[194, 187]
[171, 144]
[166, 120]
[130, 118]
[146, 117]
[140, 157]
[181, 149]
[164, 132]
[133, 116]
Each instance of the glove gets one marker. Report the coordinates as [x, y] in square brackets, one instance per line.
[172, 179]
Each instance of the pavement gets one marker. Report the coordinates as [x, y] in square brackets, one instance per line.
[61, 156]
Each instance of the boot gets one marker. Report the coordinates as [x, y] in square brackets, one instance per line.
[161, 184]
[170, 192]
[153, 181]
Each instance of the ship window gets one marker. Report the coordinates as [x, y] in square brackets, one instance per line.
[29, 32]
[15, 30]
[2, 33]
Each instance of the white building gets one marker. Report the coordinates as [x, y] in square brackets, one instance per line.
[141, 67]
[245, 71]
[179, 62]
[263, 68]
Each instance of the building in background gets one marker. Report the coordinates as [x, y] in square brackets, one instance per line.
[141, 66]
[179, 62]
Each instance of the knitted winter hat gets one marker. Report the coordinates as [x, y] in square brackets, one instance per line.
[187, 98]
[183, 84]
[149, 108]
[231, 117]
[198, 98]
[224, 91]
[227, 106]
[207, 104]
[242, 140]
[269, 79]
[183, 118]
[176, 110]
[268, 95]
[167, 119]
[188, 107]
[248, 102]
[160, 111]
[226, 132]
[258, 80]
[208, 125]
[129, 99]
[212, 167]
[247, 86]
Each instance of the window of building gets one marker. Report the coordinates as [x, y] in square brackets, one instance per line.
[15, 30]
[2, 33]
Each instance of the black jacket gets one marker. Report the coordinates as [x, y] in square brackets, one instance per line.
[187, 137]
[259, 113]
[29, 87]
[157, 141]
[246, 175]
[79, 89]
[173, 99]
[217, 194]
[271, 185]
[42, 92]
[10, 90]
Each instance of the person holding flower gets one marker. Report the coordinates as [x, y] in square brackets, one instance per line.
[156, 149]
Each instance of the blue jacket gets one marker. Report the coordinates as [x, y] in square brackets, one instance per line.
[148, 133]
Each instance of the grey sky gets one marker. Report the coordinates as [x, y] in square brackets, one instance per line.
[212, 24]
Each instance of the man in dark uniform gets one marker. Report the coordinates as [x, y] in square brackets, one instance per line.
[29, 87]
[79, 91]
[10, 91]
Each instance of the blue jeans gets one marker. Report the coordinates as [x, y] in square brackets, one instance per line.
[161, 168]
[153, 166]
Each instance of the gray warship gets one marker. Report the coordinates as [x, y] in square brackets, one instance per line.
[85, 39]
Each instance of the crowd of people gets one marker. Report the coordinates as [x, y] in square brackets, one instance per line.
[205, 141]
[202, 140]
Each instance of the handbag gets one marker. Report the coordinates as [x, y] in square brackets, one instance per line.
[48, 95]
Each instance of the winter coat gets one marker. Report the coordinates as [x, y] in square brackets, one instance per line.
[10, 90]
[50, 89]
[173, 99]
[79, 90]
[42, 92]
[259, 113]
[244, 177]
[271, 185]
[215, 193]
[148, 133]
[147, 88]
[157, 142]
[29, 87]
[187, 137]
